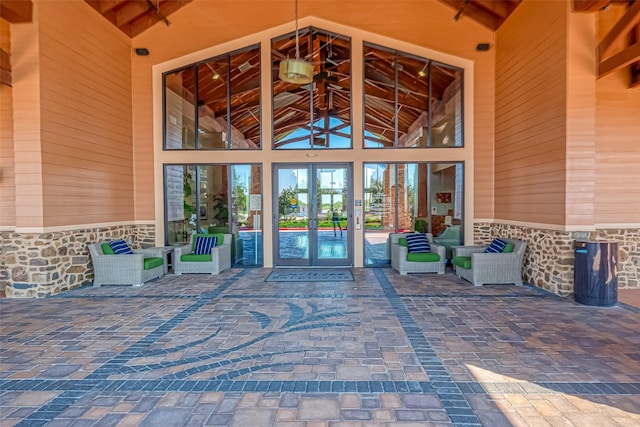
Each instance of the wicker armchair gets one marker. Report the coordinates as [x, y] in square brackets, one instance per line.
[490, 268]
[401, 265]
[125, 269]
[220, 257]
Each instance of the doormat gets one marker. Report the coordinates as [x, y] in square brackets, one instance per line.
[310, 276]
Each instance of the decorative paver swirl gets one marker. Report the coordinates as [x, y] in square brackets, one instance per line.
[382, 350]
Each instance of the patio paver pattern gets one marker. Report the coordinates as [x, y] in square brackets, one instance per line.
[382, 350]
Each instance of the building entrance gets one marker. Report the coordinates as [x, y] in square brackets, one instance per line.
[312, 220]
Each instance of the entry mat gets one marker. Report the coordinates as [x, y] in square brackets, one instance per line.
[329, 275]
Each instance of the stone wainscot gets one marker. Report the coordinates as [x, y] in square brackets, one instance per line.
[548, 261]
[34, 265]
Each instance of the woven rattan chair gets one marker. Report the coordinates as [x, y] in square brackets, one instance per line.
[401, 265]
[125, 269]
[490, 268]
[220, 257]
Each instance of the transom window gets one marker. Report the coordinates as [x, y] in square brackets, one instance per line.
[315, 115]
[214, 104]
[410, 101]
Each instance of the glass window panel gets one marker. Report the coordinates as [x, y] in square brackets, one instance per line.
[181, 203]
[403, 94]
[179, 102]
[445, 198]
[315, 115]
[379, 97]
[413, 101]
[446, 116]
[213, 77]
[244, 87]
[246, 214]
[293, 213]
[379, 211]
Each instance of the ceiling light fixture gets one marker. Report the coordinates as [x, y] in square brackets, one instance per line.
[296, 70]
[214, 74]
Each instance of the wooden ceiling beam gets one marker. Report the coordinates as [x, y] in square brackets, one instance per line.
[594, 5]
[104, 6]
[477, 12]
[130, 11]
[626, 23]
[5, 68]
[627, 57]
[16, 11]
[166, 8]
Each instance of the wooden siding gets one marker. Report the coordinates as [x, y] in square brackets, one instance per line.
[25, 51]
[617, 187]
[86, 123]
[7, 164]
[531, 88]
[581, 138]
[143, 133]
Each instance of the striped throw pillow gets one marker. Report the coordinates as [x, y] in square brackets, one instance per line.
[204, 244]
[120, 247]
[418, 243]
[496, 247]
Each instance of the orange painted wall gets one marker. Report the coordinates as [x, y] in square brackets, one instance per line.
[617, 187]
[202, 24]
[7, 166]
[531, 88]
[86, 117]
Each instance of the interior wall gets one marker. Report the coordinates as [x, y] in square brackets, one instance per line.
[86, 116]
[531, 88]
[617, 183]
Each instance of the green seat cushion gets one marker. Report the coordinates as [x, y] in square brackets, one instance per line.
[219, 239]
[423, 257]
[195, 258]
[462, 261]
[107, 250]
[402, 241]
[508, 248]
[150, 263]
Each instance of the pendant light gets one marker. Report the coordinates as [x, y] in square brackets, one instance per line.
[296, 70]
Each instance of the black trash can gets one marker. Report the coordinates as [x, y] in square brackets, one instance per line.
[595, 274]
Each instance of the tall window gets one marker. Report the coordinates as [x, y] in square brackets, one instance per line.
[410, 101]
[216, 199]
[214, 104]
[315, 115]
[406, 197]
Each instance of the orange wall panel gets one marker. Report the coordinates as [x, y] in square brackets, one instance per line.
[530, 113]
[617, 128]
[86, 117]
[7, 161]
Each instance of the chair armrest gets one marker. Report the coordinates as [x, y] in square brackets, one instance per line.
[440, 250]
[480, 260]
[119, 262]
[149, 252]
[182, 250]
[467, 250]
[398, 252]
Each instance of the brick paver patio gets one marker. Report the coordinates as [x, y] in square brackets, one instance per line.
[382, 350]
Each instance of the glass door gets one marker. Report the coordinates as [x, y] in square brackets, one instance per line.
[312, 215]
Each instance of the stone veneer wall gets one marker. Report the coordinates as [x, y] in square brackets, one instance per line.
[548, 261]
[35, 265]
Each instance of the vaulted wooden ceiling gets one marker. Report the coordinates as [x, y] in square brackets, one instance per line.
[135, 16]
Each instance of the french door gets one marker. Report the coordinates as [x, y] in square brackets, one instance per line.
[312, 214]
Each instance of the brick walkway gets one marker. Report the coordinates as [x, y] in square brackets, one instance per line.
[382, 350]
